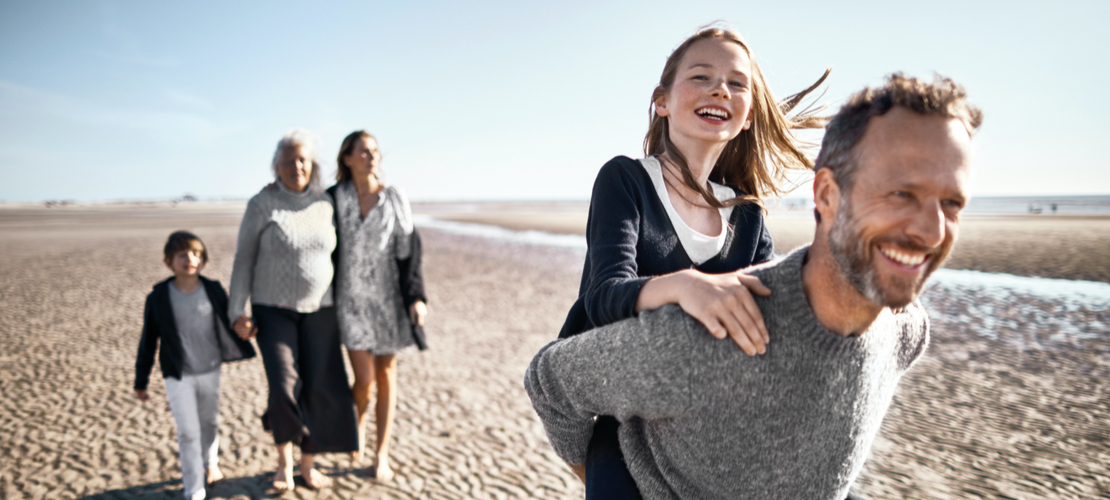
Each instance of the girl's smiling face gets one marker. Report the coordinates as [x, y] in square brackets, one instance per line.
[711, 95]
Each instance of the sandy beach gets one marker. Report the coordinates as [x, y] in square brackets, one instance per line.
[1009, 401]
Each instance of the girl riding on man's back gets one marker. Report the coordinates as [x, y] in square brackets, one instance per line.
[677, 226]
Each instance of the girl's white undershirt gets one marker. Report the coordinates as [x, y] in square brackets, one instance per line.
[699, 247]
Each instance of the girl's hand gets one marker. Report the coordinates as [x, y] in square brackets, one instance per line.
[244, 328]
[417, 311]
[721, 302]
[142, 394]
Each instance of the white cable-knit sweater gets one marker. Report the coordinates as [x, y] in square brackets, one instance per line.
[283, 255]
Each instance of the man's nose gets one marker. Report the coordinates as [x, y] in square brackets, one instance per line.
[927, 227]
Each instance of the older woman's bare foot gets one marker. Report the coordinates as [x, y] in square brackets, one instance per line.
[283, 479]
[382, 472]
[213, 475]
[315, 479]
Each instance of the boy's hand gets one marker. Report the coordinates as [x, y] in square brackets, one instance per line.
[417, 311]
[142, 394]
[244, 328]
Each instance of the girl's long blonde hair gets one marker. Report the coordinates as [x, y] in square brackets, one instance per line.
[758, 159]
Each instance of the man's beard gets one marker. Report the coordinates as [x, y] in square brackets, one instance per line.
[853, 256]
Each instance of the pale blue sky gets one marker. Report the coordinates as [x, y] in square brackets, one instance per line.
[108, 100]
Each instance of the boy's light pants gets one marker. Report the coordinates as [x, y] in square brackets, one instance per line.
[195, 405]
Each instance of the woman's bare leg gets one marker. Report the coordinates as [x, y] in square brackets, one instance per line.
[362, 362]
[385, 371]
[283, 478]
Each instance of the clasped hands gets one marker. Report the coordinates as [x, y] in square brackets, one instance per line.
[246, 329]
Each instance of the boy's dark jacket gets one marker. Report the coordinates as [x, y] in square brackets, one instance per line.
[158, 322]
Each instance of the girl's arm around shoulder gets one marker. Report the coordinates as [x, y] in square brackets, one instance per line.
[612, 234]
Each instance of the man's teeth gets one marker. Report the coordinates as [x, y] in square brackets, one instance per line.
[713, 113]
[902, 258]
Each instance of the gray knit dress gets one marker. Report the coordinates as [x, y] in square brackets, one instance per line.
[371, 310]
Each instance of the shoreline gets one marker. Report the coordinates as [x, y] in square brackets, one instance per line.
[1060, 246]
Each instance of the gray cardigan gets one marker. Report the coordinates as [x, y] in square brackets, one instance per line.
[700, 419]
[283, 254]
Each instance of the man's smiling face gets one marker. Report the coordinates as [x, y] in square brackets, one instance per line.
[898, 221]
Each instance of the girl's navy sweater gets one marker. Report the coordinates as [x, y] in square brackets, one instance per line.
[630, 239]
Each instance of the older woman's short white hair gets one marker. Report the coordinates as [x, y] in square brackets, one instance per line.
[309, 143]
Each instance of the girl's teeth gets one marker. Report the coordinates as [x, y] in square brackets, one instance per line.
[713, 113]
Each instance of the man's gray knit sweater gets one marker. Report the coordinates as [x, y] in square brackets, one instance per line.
[700, 419]
[283, 255]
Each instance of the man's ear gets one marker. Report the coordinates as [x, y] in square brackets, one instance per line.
[826, 195]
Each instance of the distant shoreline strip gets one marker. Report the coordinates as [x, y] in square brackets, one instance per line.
[1093, 294]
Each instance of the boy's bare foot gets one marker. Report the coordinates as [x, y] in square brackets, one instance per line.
[213, 476]
[382, 471]
[283, 479]
[316, 479]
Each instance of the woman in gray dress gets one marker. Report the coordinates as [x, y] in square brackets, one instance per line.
[374, 224]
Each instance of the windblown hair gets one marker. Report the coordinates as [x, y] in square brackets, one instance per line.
[757, 160]
[343, 174]
[941, 97]
[307, 141]
[182, 241]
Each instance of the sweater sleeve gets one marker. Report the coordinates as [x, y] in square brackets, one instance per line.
[765, 247]
[612, 233]
[637, 367]
[148, 345]
[402, 230]
[246, 255]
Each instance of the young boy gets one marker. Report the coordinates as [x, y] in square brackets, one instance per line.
[189, 313]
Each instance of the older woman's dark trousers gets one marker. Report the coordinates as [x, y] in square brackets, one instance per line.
[310, 400]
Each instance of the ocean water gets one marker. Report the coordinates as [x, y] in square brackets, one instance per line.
[1021, 312]
[498, 233]
[995, 205]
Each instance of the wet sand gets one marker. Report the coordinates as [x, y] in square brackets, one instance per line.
[977, 417]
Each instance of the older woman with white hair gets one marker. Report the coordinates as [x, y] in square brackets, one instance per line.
[283, 265]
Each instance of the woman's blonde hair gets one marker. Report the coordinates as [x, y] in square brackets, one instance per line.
[757, 160]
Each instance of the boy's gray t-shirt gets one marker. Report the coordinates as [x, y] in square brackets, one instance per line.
[196, 325]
